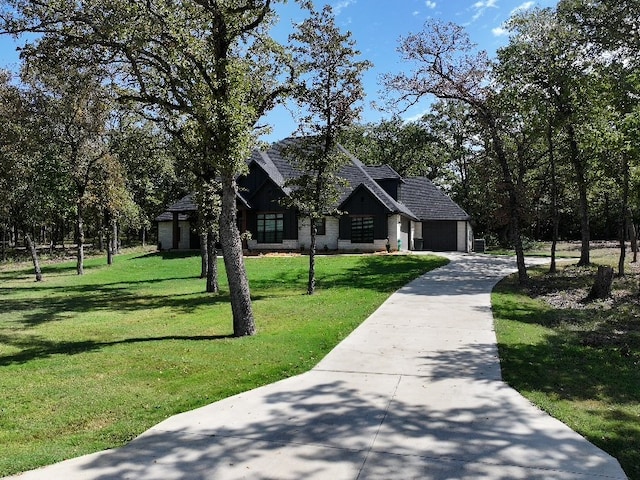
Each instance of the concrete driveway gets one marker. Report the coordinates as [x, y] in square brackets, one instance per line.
[414, 393]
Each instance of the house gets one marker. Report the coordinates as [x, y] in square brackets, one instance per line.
[177, 226]
[378, 205]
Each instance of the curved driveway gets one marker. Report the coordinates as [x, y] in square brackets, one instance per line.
[415, 392]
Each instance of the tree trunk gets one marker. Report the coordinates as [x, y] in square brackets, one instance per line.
[623, 249]
[204, 254]
[624, 215]
[114, 236]
[514, 209]
[80, 254]
[311, 286]
[34, 257]
[633, 235]
[601, 288]
[212, 263]
[581, 181]
[109, 240]
[243, 321]
[101, 233]
[555, 214]
[3, 247]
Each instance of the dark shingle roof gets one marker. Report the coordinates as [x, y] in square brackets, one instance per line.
[419, 198]
[383, 172]
[357, 174]
[428, 202]
[185, 204]
[168, 217]
[354, 172]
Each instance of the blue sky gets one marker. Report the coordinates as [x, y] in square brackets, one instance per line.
[376, 26]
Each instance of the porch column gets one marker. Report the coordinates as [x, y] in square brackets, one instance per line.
[176, 232]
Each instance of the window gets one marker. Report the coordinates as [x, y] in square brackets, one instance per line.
[270, 227]
[361, 229]
[321, 226]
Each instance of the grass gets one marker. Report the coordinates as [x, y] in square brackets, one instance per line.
[89, 362]
[578, 362]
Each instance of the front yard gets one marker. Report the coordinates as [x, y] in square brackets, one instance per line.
[578, 361]
[90, 362]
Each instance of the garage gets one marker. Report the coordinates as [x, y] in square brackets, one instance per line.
[440, 235]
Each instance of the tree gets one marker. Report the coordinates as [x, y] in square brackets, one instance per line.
[548, 55]
[142, 147]
[17, 175]
[207, 62]
[610, 30]
[448, 67]
[410, 148]
[75, 109]
[330, 93]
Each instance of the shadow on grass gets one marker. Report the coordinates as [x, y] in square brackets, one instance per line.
[36, 347]
[586, 356]
[86, 299]
[565, 370]
[381, 273]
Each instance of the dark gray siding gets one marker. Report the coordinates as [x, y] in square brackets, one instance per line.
[267, 199]
[362, 202]
[391, 186]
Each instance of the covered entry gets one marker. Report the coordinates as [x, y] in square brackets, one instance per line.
[440, 235]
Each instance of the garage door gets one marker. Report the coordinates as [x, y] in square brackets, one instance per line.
[440, 236]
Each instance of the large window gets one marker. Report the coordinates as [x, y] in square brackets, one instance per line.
[270, 227]
[321, 226]
[361, 229]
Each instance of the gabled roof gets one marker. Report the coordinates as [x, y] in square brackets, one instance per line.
[265, 160]
[168, 217]
[356, 174]
[383, 172]
[428, 202]
[419, 198]
[185, 204]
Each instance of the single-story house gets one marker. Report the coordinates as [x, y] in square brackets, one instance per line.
[378, 207]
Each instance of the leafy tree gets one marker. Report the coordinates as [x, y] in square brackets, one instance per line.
[548, 55]
[17, 177]
[142, 147]
[74, 111]
[611, 33]
[447, 66]
[330, 93]
[207, 62]
[410, 148]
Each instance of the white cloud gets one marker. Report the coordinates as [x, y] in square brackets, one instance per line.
[482, 5]
[415, 13]
[417, 116]
[499, 32]
[524, 6]
[341, 5]
[430, 4]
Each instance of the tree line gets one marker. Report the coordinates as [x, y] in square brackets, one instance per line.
[123, 106]
[540, 141]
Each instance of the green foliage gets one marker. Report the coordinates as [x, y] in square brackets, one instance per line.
[330, 92]
[90, 362]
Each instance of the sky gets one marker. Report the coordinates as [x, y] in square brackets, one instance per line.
[376, 27]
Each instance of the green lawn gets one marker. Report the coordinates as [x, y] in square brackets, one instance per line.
[581, 365]
[90, 362]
